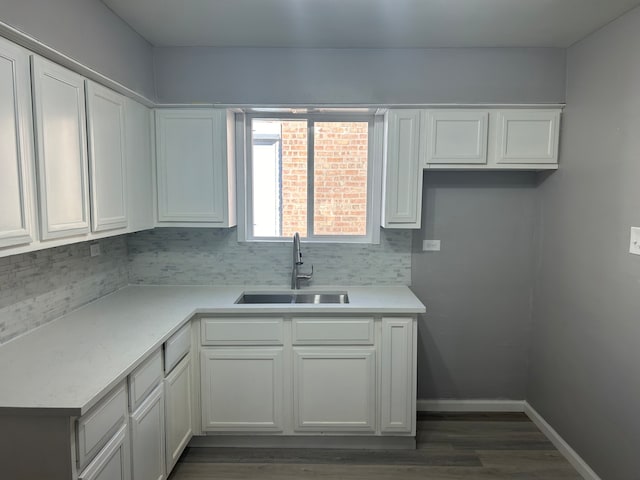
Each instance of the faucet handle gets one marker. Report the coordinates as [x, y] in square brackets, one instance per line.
[306, 276]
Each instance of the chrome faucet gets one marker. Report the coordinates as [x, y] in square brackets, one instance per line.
[296, 276]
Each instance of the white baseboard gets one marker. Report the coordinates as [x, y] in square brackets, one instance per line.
[563, 447]
[470, 405]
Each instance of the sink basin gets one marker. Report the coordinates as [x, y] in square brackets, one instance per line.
[322, 298]
[284, 298]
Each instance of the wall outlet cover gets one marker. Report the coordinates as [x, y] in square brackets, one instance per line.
[431, 245]
[95, 249]
[634, 244]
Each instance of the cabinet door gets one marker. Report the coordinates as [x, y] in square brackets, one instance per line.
[139, 162]
[107, 158]
[242, 389]
[191, 155]
[397, 364]
[527, 136]
[147, 438]
[456, 136]
[113, 462]
[334, 389]
[178, 417]
[403, 170]
[61, 147]
[16, 153]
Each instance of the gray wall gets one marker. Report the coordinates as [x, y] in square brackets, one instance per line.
[585, 363]
[474, 338]
[196, 256]
[38, 287]
[304, 76]
[87, 31]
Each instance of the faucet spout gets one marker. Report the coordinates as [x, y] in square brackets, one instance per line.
[296, 276]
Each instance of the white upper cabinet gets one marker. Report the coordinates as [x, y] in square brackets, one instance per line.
[107, 158]
[403, 170]
[456, 136]
[527, 136]
[61, 140]
[138, 120]
[16, 147]
[195, 167]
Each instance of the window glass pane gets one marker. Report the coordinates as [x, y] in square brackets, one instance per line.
[279, 177]
[340, 178]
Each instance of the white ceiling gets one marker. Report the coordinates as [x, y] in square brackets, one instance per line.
[368, 23]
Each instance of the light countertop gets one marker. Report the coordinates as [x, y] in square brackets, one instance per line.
[66, 366]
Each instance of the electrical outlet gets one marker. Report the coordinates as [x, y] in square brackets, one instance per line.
[431, 245]
[95, 249]
[634, 243]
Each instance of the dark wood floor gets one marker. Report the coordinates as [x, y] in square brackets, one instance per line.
[450, 446]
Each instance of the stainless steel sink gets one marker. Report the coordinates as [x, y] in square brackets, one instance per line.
[284, 298]
[322, 298]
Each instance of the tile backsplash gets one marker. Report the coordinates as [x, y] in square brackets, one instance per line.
[195, 256]
[40, 286]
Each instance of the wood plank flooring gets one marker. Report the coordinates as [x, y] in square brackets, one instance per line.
[450, 447]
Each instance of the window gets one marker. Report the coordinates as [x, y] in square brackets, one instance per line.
[314, 174]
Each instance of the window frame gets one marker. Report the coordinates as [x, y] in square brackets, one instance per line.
[244, 144]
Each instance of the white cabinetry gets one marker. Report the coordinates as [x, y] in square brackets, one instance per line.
[403, 170]
[147, 438]
[113, 462]
[61, 139]
[455, 136]
[480, 139]
[16, 151]
[195, 167]
[107, 157]
[242, 389]
[398, 375]
[527, 136]
[178, 418]
[138, 138]
[349, 374]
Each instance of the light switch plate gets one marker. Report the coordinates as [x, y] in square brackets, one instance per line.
[431, 245]
[634, 244]
[95, 249]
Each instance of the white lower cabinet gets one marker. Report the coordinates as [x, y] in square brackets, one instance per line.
[242, 389]
[342, 375]
[113, 461]
[334, 389]
[178, 415]
[147, 438]
[397, 376]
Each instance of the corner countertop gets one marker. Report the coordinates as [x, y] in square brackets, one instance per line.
[67, 365]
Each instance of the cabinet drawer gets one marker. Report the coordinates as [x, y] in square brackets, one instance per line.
[242, 331]
[332, 331]
[177, 347]
[100, 424]
[144, 379]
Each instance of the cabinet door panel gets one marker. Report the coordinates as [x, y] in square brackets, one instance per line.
[403, 170]
[113, 462]
[190, 169]
[242, 389]
[61, 139]
[107, 158]
[147, 438]
[334, 389]
[397, 404]
[456, 136]
[527, 136]
[16, 154]
[178, 417]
